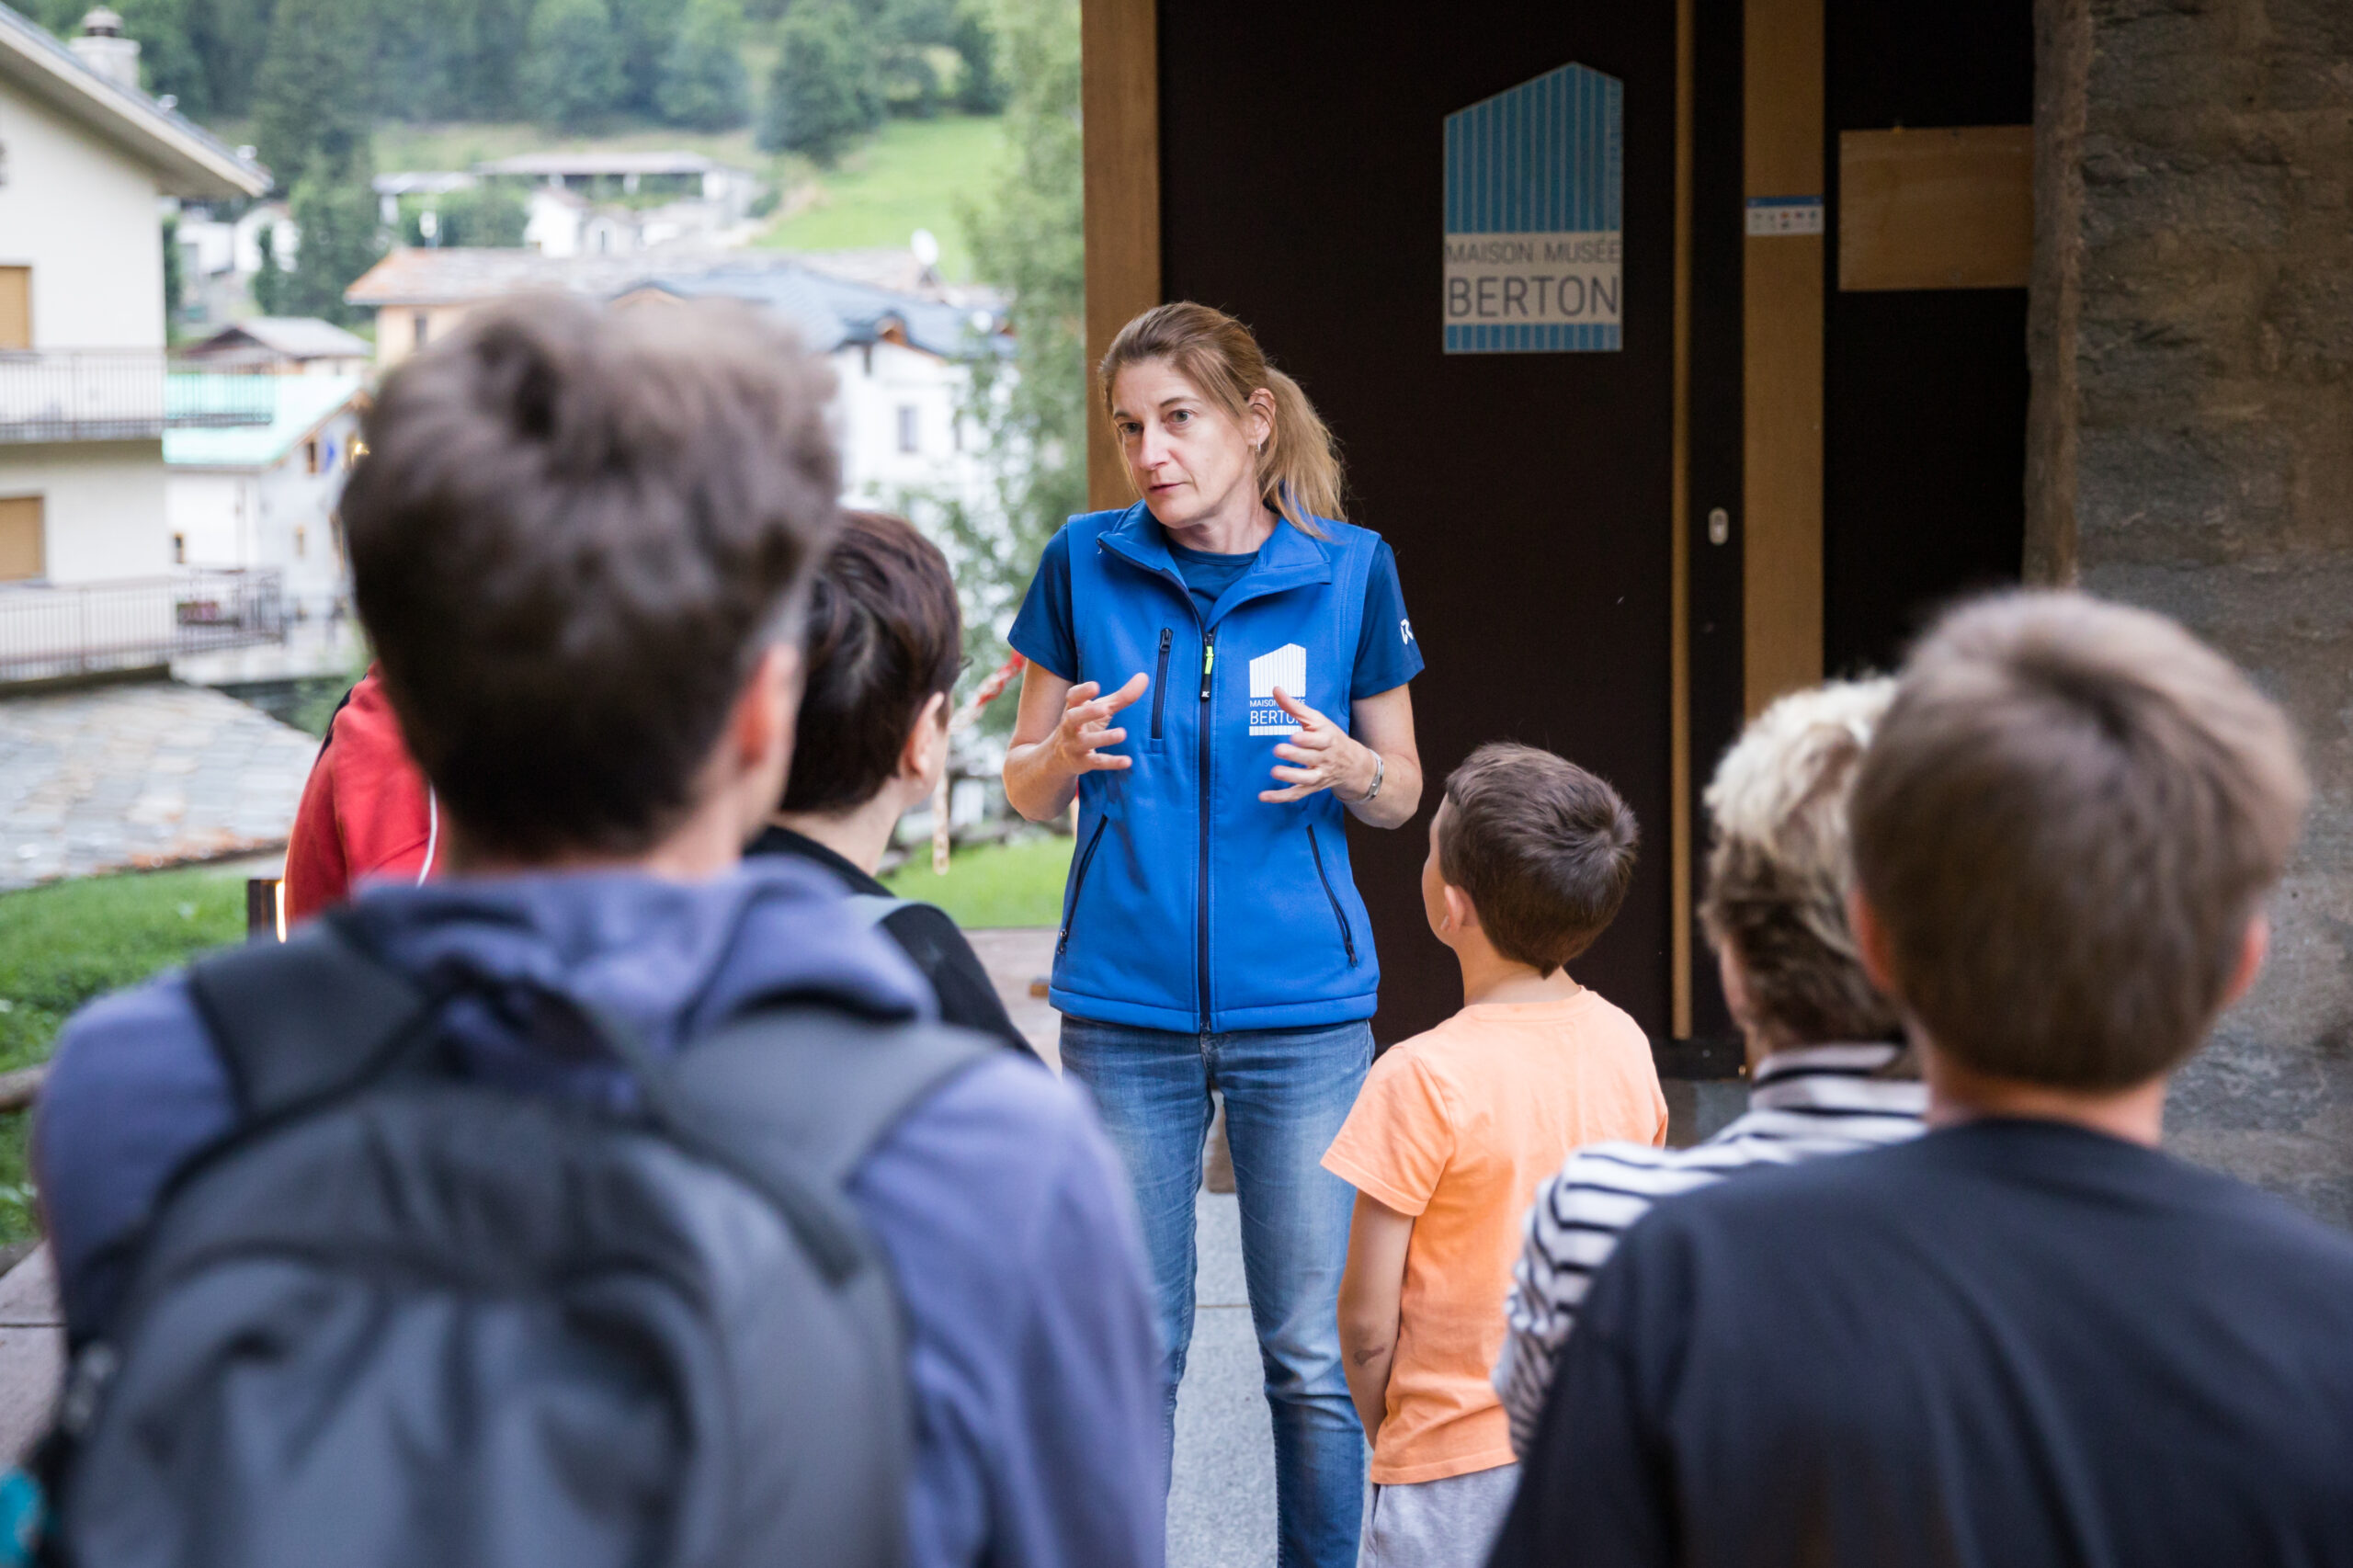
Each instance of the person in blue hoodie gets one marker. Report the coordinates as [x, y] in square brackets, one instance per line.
[1218, 675]
[579, 543]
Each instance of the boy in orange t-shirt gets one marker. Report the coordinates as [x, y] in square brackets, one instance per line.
[1529, 858]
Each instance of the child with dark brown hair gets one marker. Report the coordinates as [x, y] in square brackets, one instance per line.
[1529, 857]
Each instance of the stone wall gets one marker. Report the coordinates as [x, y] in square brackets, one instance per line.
[2192, 450]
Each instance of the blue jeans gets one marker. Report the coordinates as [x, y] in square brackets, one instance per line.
[1287, 1091]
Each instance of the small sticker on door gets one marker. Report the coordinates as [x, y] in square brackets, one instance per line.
[1285, 668]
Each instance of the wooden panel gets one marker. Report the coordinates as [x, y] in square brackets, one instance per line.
[21, 552]
[1680, 521]
[1781, 298]
[1119, 61]
[16, 307]
[1936, 208]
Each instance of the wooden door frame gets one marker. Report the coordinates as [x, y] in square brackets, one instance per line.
[1120, 103]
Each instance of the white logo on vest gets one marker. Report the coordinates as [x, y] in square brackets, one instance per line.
[1285, 668]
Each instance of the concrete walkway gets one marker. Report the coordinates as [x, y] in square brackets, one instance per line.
[1221, 1498]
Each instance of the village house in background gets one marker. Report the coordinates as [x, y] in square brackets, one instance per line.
[221, 256]
[86, 397]
[610, 203]
[283, 345]
[902, 354]
[264, 496]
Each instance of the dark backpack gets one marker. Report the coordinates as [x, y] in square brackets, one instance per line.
[404, 1317]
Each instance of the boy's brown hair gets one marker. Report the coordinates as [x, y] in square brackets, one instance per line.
[574, 533]
[886, 636]
[1543, 849]
[2064, 824]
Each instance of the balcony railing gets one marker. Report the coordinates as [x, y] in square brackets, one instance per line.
[105, 394]
[130, 622]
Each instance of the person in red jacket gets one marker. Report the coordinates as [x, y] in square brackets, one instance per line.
[365, 811]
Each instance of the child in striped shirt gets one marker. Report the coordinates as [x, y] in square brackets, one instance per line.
[1825, 1049]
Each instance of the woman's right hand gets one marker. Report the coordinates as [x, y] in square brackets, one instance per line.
[1059, 736]
[1085, 727]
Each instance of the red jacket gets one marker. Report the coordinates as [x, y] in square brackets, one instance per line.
[367, 812]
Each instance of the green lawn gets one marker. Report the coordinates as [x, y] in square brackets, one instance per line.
[914, 174]
[1000, 884]
[64, 944]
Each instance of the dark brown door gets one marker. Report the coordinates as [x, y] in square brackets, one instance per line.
[1527, 495]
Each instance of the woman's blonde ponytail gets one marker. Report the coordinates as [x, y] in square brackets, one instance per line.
[1299, 465]
[1299, 468]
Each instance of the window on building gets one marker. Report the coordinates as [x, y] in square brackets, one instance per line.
[21, 553]
[16, 307]
[907, 442]
[420, 328]
[302, 543]
[179, 550]
[311, 455]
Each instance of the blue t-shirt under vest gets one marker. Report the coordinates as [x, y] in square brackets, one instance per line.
[1387, 654]
[1192, 905]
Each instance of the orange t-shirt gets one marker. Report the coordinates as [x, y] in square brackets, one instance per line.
[1456, 1127]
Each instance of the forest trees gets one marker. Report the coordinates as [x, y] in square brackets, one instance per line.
[579, 64]
[310, 126]
[827, 87]
[572, 70]
[703, 84]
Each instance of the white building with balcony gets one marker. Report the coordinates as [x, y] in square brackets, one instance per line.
[86, 395]
[263, 497]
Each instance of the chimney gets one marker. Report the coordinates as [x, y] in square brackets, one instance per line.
[104, 50]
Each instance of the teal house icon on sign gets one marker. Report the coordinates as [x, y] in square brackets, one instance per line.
[1535, 177]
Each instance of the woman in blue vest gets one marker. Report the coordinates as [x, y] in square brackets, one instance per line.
[1218, 673]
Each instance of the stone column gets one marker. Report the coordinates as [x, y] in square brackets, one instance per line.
[2191, 450]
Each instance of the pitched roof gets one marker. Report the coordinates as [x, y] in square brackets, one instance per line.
[828, 312]
[541, 165]
[188, 160]
[303, 404]
[431, 182]
[295, 337]
[465, 275]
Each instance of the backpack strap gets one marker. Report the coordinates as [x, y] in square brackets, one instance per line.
[304, 1019]
[790, 1099]
[871, 909]
[818, 1085]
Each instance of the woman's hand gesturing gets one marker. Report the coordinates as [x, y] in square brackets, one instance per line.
[1085, 729]
[1321, 757]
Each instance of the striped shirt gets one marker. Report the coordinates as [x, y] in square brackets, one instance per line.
[1808, 1102]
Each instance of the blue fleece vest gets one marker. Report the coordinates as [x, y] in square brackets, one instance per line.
[1192, 905]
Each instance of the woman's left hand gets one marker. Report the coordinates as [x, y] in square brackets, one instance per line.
[1322, 756]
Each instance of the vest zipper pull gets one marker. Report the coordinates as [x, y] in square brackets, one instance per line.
[1209, 660]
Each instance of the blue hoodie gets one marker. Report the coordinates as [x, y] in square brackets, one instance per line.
[1002, 1209]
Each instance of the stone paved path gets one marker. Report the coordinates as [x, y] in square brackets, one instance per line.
[118, 777]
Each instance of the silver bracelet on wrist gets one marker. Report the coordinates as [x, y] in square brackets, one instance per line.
[1379, 772]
